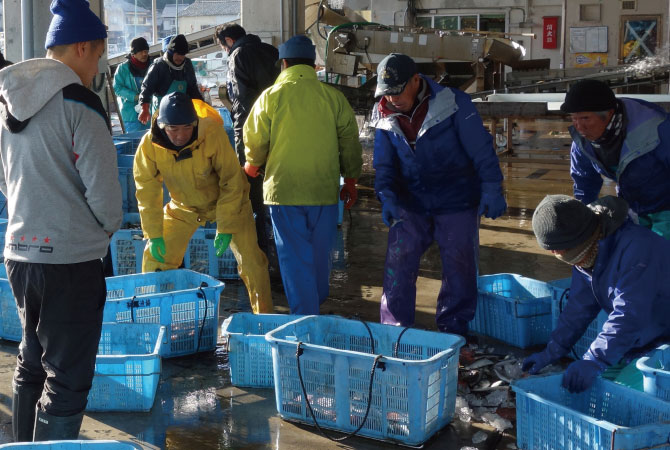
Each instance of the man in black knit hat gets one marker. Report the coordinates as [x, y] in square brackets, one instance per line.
[619, 267]
[626, 140]
[173, 72]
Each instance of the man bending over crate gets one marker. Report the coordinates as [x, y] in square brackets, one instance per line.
[619, 267]
[190, 152]
[60, 178]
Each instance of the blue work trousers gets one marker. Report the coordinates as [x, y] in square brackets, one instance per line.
[304, 237]
[457, 235]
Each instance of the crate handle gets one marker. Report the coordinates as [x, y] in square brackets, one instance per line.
[526, 316]
[299, 351]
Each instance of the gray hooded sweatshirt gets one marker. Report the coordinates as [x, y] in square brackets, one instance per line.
[58, 162]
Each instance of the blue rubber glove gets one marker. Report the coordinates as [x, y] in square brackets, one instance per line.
[221, 242]
[580, 375]
[157, 248]
[492, 203]
[537, 361]
[389, 212]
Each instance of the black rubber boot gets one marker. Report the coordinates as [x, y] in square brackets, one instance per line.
[24, 402]
[54, 428]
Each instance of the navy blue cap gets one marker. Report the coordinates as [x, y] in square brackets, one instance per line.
[299, 46]
[393, 73]
[73, 21]
[176, 109]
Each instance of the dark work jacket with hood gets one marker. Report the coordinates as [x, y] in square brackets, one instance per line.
[160, 76]
[629, 281]
[251, 69]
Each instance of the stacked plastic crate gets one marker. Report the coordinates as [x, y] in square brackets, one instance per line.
[127, 245]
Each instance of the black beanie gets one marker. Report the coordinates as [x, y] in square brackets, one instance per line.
[589, 95]
[561, 222]
[178, 44]
[138, 44]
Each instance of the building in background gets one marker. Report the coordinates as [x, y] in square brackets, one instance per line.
[167, 23]
[206, 13]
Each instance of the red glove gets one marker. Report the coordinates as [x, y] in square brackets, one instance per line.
[145, 115]
[348, 194]
[250, 170]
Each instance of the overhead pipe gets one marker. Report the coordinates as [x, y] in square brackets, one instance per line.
[27, 42]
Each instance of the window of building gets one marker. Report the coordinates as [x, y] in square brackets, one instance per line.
[472, 22]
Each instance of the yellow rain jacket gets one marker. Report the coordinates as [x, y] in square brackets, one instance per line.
[305, 145]
[209, 183]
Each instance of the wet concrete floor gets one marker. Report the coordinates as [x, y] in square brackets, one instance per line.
[196, 406]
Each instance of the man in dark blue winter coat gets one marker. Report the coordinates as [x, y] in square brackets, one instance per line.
[619, 267]
[626, 140]
[436, 174]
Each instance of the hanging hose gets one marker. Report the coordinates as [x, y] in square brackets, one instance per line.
[204, 317]
[565, 296]
[298, 353]
[397, 342]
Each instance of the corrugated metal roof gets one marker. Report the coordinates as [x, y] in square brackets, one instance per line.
[212, 8]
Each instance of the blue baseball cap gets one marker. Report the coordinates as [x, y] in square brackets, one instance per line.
[297, 47]
[393, 73]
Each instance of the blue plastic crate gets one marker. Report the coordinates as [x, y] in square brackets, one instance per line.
[3, 232]
[513, 309]
[560, 296]
[3, 207]
[134, 137]
[123, 147]
[414, 394]
[201, 256]
[186, 302]
[73, 445]
[249, 354]
[127, 182]
[127, 247]
[127, 367]
[606, 416]
[228, 124]
[655, 370]
[10, 328]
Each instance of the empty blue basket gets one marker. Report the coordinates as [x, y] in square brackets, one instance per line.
[606, 416]
[513, 309]
[414, 392]
[127, 367]
[186, 302]
[73, 445]
[655, 370]
[249, 354]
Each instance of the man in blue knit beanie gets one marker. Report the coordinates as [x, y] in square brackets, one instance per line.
[58, 171]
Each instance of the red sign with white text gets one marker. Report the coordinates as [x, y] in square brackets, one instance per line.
[550, 32]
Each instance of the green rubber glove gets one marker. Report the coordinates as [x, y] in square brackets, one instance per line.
[157, 248]
[221, 242]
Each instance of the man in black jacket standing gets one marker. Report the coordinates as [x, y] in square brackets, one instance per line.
[251, 69]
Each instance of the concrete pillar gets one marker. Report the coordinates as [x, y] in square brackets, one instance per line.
[12, 27]
[275, 21]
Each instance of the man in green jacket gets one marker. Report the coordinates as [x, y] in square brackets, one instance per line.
[306, 134]
[128, 83]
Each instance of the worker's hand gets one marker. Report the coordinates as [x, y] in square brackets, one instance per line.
[145, 115]
[492, 203]
[580, 375]
[348, 194]
[157, 248]
[221, 242]
[389, 212]
[250, 170]
[537, 361]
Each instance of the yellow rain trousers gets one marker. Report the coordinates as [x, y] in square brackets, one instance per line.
[207, 186]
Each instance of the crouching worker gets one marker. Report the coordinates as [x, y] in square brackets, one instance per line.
[619, 267]
[189, 151]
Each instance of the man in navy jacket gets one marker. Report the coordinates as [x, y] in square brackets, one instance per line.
[436, 174]
[626, 140]
[619, 267]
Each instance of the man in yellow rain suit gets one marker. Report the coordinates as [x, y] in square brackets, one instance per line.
[190, 152]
